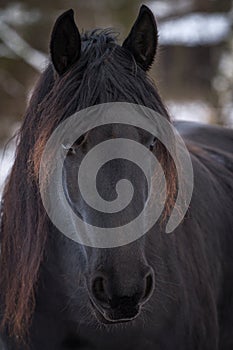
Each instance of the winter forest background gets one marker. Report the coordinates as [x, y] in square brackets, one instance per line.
[193, 69]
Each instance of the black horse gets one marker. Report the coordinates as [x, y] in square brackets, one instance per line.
[161, 291]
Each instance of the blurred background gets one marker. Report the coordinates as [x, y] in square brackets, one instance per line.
[193, 69]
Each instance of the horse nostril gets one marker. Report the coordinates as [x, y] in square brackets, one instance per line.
[99, 291]
[149, 286]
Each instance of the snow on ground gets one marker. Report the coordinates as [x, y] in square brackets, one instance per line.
[196, 111]
[228, 114]
[6, 162]
[20, 47]
[162, 8]
[195, 29]
[18, 14]
[12, 42]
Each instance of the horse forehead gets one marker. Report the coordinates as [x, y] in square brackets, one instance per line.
[113, 130]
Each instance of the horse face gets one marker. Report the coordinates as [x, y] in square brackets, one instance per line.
[117, 281]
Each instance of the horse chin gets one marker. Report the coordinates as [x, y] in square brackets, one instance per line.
[105, 318]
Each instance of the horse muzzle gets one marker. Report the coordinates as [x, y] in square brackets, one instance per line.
[113, 305]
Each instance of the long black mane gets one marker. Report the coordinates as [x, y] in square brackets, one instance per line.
[106, 72]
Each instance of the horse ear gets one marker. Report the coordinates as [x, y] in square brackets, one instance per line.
[65, 44]
[143, 38]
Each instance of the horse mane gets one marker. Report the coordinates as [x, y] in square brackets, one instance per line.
[106, 72]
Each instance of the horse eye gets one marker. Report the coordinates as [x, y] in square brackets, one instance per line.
[152, 145]
[72, 149]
